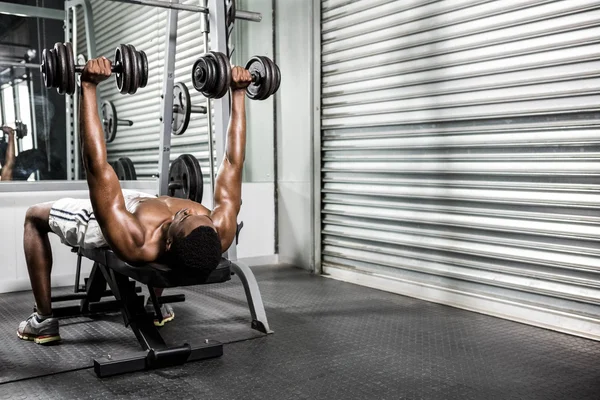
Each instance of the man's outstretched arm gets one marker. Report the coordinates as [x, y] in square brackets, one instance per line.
[120, 228]
[9, 161]
[228, 185]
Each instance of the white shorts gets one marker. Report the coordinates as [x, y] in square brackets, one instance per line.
[74, 222]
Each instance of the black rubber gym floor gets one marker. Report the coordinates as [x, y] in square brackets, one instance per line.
[332, 340]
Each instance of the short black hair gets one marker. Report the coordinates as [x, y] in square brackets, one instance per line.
[200, 250]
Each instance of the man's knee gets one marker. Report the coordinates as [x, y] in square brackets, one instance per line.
[38, 216]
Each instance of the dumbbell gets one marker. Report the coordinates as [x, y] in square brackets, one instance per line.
[58, 68]
[183, 108]
[20, 130]
[211, 75]
[110, 121]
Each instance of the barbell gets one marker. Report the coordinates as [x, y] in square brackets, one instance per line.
[58, 68]
[211, 76]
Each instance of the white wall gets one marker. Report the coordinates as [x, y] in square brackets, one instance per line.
[255, 247]
[293, 49]
[253, 39]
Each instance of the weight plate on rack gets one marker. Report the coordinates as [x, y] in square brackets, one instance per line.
[182, 109]
[109, 121]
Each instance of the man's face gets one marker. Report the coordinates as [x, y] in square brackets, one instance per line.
[184, 222]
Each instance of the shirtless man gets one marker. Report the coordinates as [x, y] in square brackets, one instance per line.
[138, 227]
[8, 161]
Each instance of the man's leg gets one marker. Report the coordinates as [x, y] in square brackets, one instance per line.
[39, 327]
[38, 254]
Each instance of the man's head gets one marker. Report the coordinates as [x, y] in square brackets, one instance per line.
[193, 242]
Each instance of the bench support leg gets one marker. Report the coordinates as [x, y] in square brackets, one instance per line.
[257, 309]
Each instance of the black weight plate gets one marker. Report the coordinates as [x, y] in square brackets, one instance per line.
[134, 70]
[182, 109]
[71, 68]
[139, 68]
[229, 73]
[126, 69]
[195, 179]
[228, 76]
[276, 78]
[118, 68]
[119, 170]
[129, 168]
[144, 69]
[47, 68]
[214, 73]
[178, 175]
[270, 76]
[54, 59]
[223, 74]
[257, 90]
[122, 63]
[108, 113]
[199, 74]
[62, 81]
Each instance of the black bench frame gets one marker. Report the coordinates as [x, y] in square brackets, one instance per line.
[121, 279]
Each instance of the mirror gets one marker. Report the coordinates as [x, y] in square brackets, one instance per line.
[37, 116]
[50, 150]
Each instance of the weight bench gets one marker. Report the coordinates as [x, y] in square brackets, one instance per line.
[109, 269]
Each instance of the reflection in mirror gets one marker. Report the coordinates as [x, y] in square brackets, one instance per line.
[33, 141]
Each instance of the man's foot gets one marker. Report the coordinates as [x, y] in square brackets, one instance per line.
[40, 331]
[166, 310]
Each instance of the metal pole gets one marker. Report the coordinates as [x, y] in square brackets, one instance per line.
[2, 112]
[30, 11]
[11, 63]
[167, 98]
[16, 105]
[90, 38]
[205, 26]
[71, 116]
[72, 17]
[173, 5]
[248, 15]
[218, 40]
[34, 139]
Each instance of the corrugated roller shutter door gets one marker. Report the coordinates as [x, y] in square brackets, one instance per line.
[460, 145]
[145, 28]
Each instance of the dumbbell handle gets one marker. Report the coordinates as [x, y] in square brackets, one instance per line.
[198, 109]
[121, 122]
[118, 68]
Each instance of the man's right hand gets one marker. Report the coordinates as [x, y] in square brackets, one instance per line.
[240, 78]
[8, 130]
[96, 70]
